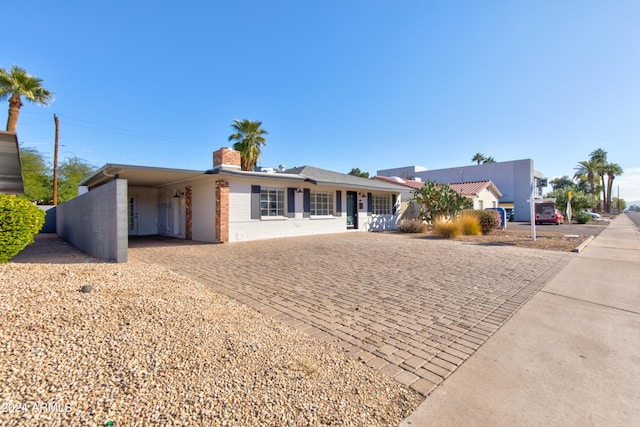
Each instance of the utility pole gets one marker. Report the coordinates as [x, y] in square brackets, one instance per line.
[55, 164]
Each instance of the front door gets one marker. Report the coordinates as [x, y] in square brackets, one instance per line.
[133, 215]
[352, 210]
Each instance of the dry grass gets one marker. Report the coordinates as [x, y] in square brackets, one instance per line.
[544, 240]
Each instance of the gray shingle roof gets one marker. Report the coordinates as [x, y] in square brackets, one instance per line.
[326, 177]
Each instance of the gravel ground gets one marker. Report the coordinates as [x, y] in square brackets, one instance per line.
[149, 347]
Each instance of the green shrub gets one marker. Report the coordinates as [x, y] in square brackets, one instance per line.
[447, 229]
[488, 219]
[470, 225]
[412, 226]
[20, 220]
[582, 217]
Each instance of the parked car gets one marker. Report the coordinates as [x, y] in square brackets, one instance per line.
[556, 218]
[510, 213]
[593, 214]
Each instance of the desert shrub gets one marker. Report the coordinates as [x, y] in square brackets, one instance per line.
[488, 219]
[437, 201]
[20, 220]
[447, 229]
[582, 217]
[470, 225]
[412, 226]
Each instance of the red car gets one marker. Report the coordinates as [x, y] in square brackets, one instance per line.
[555, 218]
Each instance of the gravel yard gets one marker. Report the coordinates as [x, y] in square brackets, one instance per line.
[147, 346]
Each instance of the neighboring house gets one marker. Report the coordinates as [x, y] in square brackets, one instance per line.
[483, 194]
[226, 204]
[10, 167]
[516, 179]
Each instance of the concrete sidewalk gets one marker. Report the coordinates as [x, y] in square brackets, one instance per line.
[569, 357]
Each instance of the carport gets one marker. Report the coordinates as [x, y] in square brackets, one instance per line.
[122, 200]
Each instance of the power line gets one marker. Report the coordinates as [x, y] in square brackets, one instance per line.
[129, 132]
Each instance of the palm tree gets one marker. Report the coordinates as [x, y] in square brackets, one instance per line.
[587, 169]
[249, 137]
[562, 182]
[599, 154]
[479, 157]
[489, 160]
[17, 83]
[612, 170]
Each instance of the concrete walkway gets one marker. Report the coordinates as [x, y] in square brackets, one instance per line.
[569, 357]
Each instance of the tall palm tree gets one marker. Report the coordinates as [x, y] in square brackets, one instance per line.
[587, 169]
[249, 137]
[612, 170]
[599, 156]
[479, 157]
[16, 83]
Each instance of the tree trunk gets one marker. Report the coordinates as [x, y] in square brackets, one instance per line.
[14, 111]
[604, 194]
[610, 179]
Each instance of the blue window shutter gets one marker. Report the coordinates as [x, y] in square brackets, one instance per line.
[394, 198]
[255, 202]
[291, 202]
[369, 203]
[338, 203]
[306, 203]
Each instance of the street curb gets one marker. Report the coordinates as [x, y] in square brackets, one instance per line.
[583, 245]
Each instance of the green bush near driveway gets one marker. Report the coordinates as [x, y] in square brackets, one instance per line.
[20, 221]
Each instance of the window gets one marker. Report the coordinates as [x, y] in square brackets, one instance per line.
[271, 201]
[381, 204]
[321, 203]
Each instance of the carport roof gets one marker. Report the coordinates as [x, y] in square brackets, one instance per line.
[143, 176]
[10, 166]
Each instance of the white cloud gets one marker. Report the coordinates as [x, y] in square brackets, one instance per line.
[629, 184]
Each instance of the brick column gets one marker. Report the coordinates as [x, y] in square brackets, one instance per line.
[189, 213]
[222, 211]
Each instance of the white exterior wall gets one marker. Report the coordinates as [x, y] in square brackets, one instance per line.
[171, 211]
[487, 199]
[243, 228]
[203, 211]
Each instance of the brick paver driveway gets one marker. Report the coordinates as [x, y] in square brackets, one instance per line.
[411, 307]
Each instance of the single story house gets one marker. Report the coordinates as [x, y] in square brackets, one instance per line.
[223, 204]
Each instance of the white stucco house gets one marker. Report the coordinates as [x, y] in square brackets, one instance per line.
[226, 204]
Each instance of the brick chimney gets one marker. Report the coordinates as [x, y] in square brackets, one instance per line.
[226, 158]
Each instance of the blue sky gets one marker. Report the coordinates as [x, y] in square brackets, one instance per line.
[338, 84]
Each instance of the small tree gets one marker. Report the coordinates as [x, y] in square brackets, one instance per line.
[619, 204]
[36, 173]
[439, 202]
[71, 171]
[579, 200]
[358, 172]
[20, 220]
